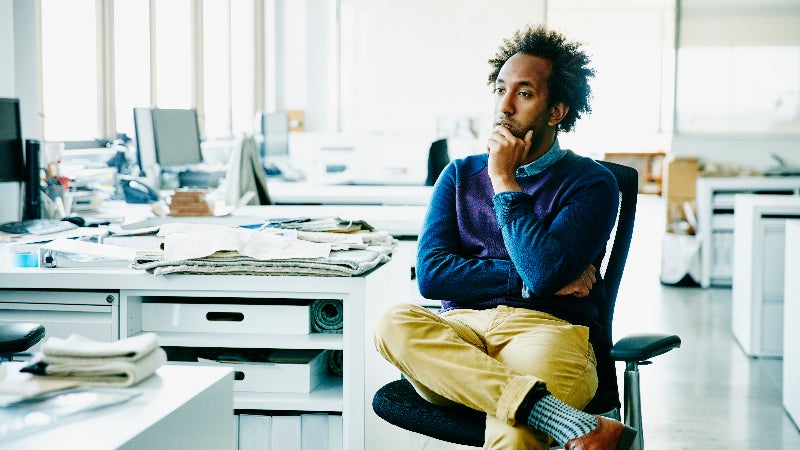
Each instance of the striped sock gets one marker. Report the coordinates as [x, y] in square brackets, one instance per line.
[559, 420]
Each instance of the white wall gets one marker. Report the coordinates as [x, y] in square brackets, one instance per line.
[407, 64]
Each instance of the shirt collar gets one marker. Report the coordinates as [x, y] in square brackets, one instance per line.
[543, 162]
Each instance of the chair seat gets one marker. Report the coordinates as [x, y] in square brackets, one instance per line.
[399, 404]
[18, 337]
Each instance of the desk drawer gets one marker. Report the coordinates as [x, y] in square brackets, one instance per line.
[226, 318]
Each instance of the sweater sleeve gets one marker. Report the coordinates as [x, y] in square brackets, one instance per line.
[550, 252]
[442, 271]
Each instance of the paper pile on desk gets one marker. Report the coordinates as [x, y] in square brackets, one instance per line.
[246, 242]
[120, 363]
[63, 253]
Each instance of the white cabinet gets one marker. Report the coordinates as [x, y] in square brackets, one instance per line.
[715, 225]
[759, 238]
[791, 332]
[94, 314]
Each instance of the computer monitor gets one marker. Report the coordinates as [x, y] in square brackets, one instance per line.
[145, 139]
[177, 138]
[275, 128]
[12, 160]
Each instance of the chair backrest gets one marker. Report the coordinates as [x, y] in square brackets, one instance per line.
[607, 397]
[437, 160]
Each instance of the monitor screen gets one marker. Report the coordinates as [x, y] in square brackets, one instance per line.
[12, 161]
[275, 127]
[177, 137]
[145, 139]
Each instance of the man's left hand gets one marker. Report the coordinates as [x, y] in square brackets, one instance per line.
[580, 287]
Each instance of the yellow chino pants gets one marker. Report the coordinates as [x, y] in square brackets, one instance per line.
[489, 360]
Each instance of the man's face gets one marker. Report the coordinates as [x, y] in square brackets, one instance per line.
[521, 95]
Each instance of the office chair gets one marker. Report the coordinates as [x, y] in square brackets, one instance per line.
[18, 337]
[437, 160]
[399, 404]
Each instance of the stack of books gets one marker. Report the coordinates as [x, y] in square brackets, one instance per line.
[190, 203]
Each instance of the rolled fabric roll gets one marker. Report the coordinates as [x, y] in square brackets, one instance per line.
[327, 316]
[336, 361]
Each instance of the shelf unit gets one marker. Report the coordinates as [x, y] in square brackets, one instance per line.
[715, 208]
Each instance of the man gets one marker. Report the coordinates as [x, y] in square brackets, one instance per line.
[510, 244]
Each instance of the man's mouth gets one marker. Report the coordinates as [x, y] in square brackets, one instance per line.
[505, 124]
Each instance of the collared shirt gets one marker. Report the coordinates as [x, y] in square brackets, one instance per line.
[543, 162]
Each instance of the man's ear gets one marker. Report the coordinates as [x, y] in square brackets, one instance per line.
[557, 113]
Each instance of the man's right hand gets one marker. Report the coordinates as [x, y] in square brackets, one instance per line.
[580, 287]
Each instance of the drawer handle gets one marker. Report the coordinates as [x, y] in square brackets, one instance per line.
[224, 316]
[238, 375]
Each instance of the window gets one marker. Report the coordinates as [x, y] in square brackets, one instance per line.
[131, 61]
[69, 71]
[739, 68]
[180, 54]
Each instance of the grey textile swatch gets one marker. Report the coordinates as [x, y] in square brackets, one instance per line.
[327, 316]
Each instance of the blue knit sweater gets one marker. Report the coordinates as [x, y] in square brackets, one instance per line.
[478, 250]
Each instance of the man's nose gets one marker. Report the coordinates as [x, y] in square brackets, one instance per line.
[505, 104]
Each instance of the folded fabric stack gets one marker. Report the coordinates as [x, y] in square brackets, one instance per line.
[339, 264]
[122, 363]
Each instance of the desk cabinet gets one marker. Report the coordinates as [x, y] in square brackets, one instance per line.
[791, 332]
[758, 271]
[94, 314]
[715, 207]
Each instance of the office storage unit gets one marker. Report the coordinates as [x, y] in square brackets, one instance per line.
[759, 238]
[363, 299]
[715, 206]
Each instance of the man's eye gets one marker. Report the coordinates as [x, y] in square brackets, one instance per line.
[499, 90]
[526, 94]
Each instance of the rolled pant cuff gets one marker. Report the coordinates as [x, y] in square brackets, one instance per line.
[512, 397]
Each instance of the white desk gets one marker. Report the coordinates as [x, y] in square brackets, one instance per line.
[292, 192]
[180, 408]
[758, 271]
[364, 298]
[715, 219]
[791, 332]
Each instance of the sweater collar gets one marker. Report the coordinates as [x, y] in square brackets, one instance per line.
[543, 162]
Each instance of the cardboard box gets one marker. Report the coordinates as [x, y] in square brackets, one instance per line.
[681, 180]
[681, 217]
[226, 318]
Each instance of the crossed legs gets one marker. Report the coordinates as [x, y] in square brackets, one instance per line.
[489, 360]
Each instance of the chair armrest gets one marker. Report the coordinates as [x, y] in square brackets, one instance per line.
[643, 346]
